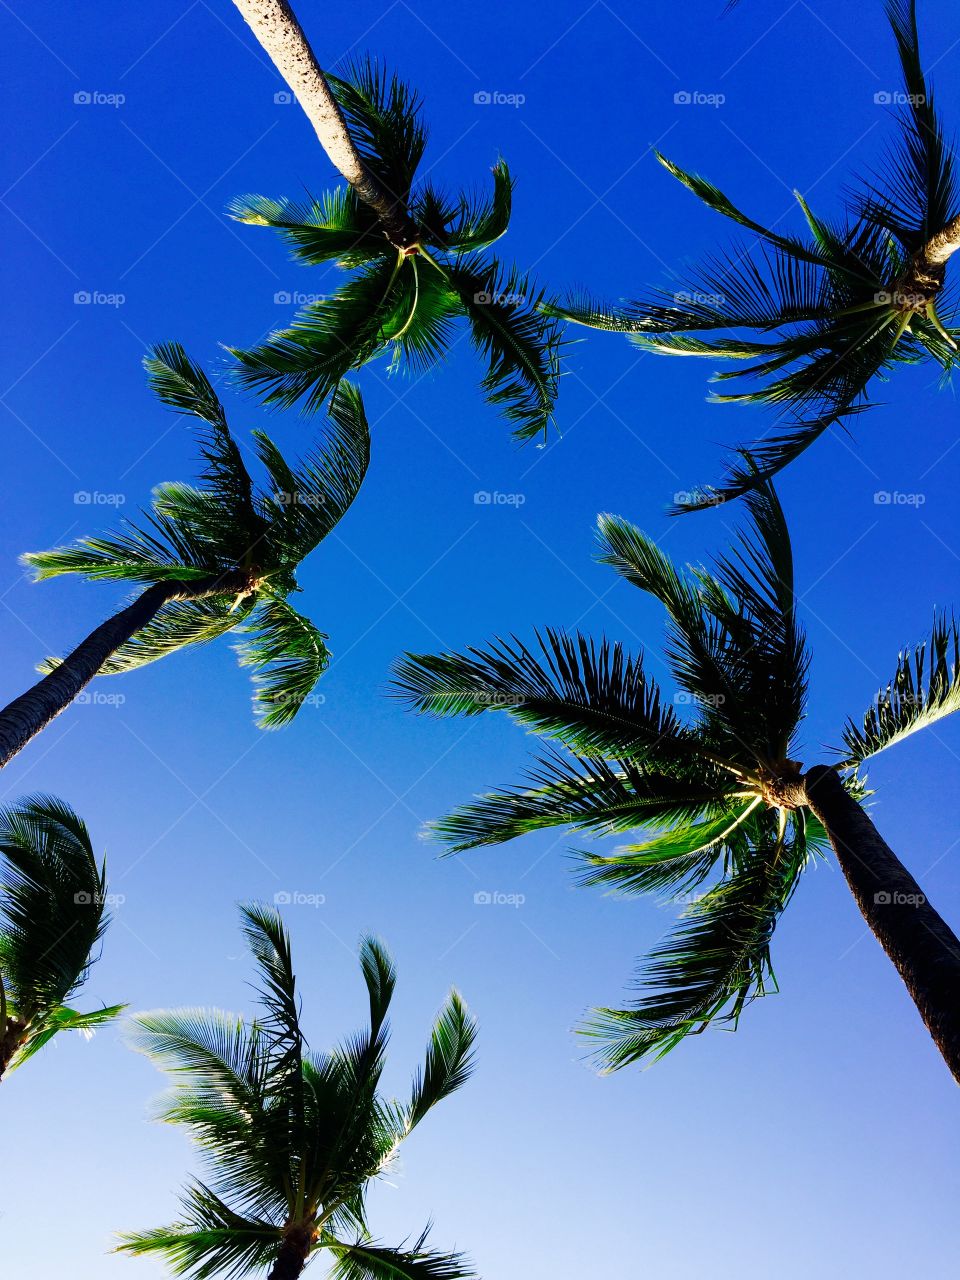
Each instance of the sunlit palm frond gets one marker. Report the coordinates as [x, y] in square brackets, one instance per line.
[288, 655]
[925, 688]
[384, 118]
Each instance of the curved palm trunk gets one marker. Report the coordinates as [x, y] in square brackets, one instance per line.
[922, 946]
[23, 718]
[275, 25]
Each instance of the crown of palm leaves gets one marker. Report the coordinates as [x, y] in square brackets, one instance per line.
[291, 1139]
[825, 315]
[52, 915]
[228, 525]
[698, 776]
[404, 303]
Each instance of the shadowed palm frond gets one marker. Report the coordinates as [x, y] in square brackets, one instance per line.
[711, 966]
[52, 916]
[449, 1061]
[370, 1261]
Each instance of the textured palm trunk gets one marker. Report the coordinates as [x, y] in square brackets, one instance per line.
[275, 25]
[10, 1043]
[922, 946]
[924, 277]
[293, 1254]
[23, 718]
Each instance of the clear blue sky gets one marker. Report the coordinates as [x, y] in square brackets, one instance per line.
[821, 1139]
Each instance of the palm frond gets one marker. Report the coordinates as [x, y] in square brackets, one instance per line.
[383, 116]
[367, 1260]
[288, 656]
[449, 1061]
[925, 688]
[52, 908]
[326, 341]
[480, 221]
[336, 227]
[710, 967]
[520, 343]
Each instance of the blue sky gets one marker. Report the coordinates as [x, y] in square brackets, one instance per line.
[821, 1138]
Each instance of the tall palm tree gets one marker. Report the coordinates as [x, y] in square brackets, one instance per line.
[414, 254]
[293, 1139]
[52, 900]
[826, 315]
[728, 817]
[219, 559]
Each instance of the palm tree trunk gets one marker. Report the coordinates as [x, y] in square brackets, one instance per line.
[293, 1253]
[23, 718]
[924, 949]
[926, 272]
[275, 25]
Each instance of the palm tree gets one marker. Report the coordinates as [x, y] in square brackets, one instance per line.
[414, 254]
[728, 816]
[292, 1139]
[824, 315]
[219, 559]
[52, 899]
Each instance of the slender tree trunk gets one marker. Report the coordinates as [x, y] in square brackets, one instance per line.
[275, 25]
[23, 718]
[293, 1254]
[924, 949]
[9, 1044]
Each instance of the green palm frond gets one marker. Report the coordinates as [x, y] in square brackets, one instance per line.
[370, 1261]
[383, 116]
[593, 698]
[178, 624]
[336, 227]
[449, 1061]
[288, 655]
[52, 915]
[520, 343]
[211, 1240]
[480, 221]
[925, 688]
[711, 966]
[326, 341]
[916, 196]
[677, 860]
[309, 500]
[591, 795]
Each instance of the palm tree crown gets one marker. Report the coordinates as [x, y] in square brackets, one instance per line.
[52, 915]
[707, 789]
[292, 1139]
[404, 300]
[238, 545]
[826, 314]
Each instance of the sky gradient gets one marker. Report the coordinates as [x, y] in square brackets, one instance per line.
[821, 1138]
